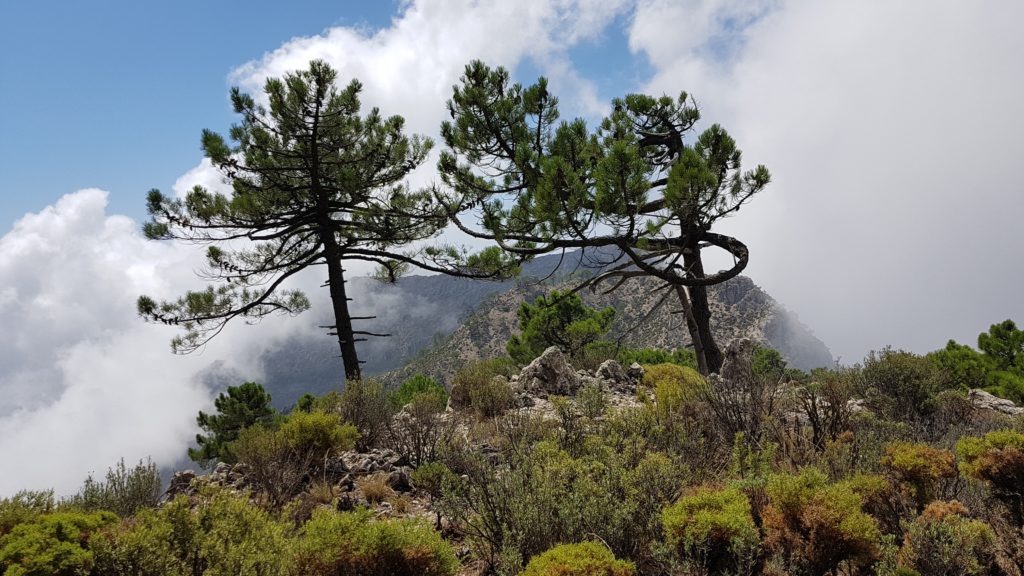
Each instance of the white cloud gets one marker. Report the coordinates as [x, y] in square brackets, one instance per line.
[892, 130]
[85, 381]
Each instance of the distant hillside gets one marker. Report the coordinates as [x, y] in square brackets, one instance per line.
[438, 322]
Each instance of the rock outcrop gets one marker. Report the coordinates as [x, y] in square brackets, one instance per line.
[550, 373]
[982, 400]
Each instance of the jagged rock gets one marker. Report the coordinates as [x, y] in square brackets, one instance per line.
[550, 373]
[635, 372]
[181, 483]
[982, 400]
[399, 480]
[737, 366]
[617, 378]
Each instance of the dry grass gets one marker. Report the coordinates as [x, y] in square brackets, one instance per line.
[375, 487]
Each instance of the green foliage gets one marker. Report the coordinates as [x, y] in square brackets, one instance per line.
[478, 374]
[554, 496]
[813, 526]
[997, 459]
[768, 363]
[25, 506]
[491, 398]
[713, 529]
[418, 384]
[317, 434]
[365, 404]
[651, 356]
[52, 544]
[238, 408]
[280, 461]
[901, 385]
[583, 559]
[943, 540]
[998, 367]
[558, 319]
[124, 492]
[918, 469]
[353, 543]
[218, 534]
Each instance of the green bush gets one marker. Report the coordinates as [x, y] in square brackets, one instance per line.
[713, 529]
[901, 385]
[583, 559]
[52, 544]
[418, 384]
[477, 374]
[918, 469]
[943, 540]
[317, 434]
[366, 405]
[674, 386]
[334, 543]
[218, 534]
[124, 491]
[814, 526]
[420, 429]
[997, 459]
[25, 506]
[492, 398]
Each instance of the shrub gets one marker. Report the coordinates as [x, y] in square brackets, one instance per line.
[943, 540]
[918, 469]
[712, 529]
[237, 409]
[353, 543]
[673, 386]
[420, 428]
[997, 459]
[418, 384]
[491, 398]
[124, 492]
[814, 526]
[316, 435]
[25, 506]
[592, 400]
[219, 533]
[476, 374]
[365, 404]
[583, 559]
[53, 544]
[901, 385]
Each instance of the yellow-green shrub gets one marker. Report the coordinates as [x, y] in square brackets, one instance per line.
[354, 543]
[673, 387]
[943, 540]
[997, 459]
[583, 559]
[813, 526]
[53, 544]
[918, 469]
[218, 534]
[713, 528]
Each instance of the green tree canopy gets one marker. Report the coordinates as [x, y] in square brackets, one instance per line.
[640, 186]
[557, 319]
[313, 182]
[238, 408]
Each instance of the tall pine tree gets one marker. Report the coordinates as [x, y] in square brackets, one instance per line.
[642, 186]
[313, 183]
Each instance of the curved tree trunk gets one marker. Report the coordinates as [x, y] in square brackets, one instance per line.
[700, 327]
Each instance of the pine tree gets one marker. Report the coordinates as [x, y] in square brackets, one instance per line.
[635, 187]
[314, 183]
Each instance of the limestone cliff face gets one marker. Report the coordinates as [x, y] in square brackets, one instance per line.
[740, 308]
[437, 323]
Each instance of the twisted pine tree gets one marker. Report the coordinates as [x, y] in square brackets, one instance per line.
[314, 183]
[640, 187]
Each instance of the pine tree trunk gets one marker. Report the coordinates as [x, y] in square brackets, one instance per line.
[691, 325]
[342, 318]
[700, 330]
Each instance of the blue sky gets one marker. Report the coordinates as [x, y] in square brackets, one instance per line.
[113, 94]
